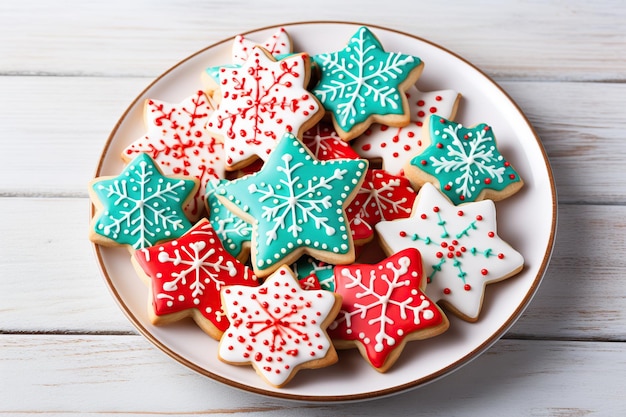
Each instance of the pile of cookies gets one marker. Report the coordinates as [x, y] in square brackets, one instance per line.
[246, 206]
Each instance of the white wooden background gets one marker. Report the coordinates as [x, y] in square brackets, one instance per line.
[68, 70]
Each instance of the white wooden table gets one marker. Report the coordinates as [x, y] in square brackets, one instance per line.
[67, 72]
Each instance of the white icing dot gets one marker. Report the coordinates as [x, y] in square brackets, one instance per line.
[428, 314]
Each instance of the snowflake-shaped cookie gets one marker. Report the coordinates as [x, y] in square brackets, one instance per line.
[278, 45]
[177, 141]
[396, 145]
[383, 307]
[460, 248]
[234, 232]
[140, 207]
[325, 144]
[260, 102]
[278, 327]
[362, 84]
[296, 205]
[186, 276]
[382, 196]
[464, 162]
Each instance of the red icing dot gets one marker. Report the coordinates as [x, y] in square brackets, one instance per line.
[460, 212]
[484, 271]
[438, 98]
[479, 217]
[491, 234]
[500, 256]
[439, 255]
[402, 233]
[424, 216]
[410, 134]
[436, 209]
[421, 114]
[446, 291]
[447, 187]
[467, 287]
[512, 176]
[433, 109]
[487, 181]
[366, 147]
[421, 103]
[462, 197]
[423, 162]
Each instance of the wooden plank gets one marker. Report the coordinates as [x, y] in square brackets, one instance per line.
[55, 129]
[125, 375]
[551, 40]
[65, 150]
[581, 296]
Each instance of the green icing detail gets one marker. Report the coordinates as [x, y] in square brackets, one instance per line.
[362, 80]
[465, 161]
[141, 206]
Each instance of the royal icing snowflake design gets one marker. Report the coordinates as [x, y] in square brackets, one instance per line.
[325, 144]
[459, 245]
[177, 141]
[362, 80]
[465, 161]
[296, 204]
[278, 327]
[141, 206]
[382, 196]
[188, 273]
[234, 232]
[314, 274]
[383, 306]
[396, 145]
[260, 101]
[278, 45]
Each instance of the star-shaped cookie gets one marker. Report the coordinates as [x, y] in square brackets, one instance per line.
[383, 307]
[278, 327]
[140, 207]
[325, 144]
[295, 204]
[362, 84]
[382, 196]
[464, 162]
[260, 102]
[177, 141]
[460, 248]
[394, 146]
[186, 275]
[234, 232]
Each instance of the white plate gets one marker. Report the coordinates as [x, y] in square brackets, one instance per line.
[527, 221]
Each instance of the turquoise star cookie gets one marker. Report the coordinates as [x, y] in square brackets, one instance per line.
[362, 83]
[296, 205]
[465, 163]
[140, 207]
[234, 232]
